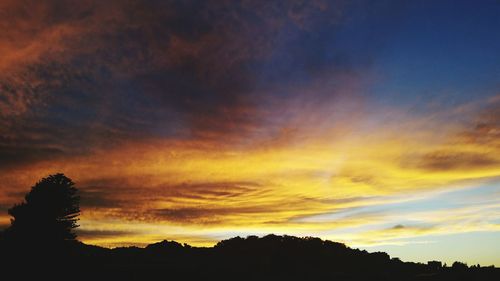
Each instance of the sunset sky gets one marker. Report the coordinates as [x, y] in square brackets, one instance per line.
[372, 123]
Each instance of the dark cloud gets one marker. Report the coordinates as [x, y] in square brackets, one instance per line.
[486, 129]
[4, 208]
[417, 228]
[208, 190]
[483, 134]
[444, 160]
[98, 198]
[89, 234]
[119, 198]
[203, 215]
[104, 72]
[12, 157]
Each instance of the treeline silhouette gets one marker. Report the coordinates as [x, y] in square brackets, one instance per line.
[40, 243]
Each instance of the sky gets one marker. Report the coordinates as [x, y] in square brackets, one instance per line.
[372, 123]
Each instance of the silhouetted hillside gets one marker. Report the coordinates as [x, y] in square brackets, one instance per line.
[268, 258]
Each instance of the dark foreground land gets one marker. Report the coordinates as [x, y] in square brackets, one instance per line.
[268, 258]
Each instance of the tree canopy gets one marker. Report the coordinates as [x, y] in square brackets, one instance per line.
[49, 212]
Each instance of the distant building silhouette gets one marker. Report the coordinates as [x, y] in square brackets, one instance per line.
[434, 265]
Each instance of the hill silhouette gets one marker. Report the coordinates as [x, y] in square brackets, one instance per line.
[271, 257]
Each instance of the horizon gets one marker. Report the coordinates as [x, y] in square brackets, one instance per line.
[376, 125]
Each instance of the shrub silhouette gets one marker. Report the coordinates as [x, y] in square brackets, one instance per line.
[459, 266]
[48, 214]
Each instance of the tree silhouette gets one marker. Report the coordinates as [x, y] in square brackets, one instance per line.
[48, 214]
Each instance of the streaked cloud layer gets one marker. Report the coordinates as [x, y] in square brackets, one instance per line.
[196, 121]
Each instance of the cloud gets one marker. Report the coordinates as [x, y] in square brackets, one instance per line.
[104, 73]
[201, 202]
[474, 147]
[3, 208]
[415, 228]
[442, 160]
[22, 155]
[93, 234]
[99, 198]
[201, 215]
[486, 129]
